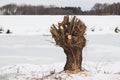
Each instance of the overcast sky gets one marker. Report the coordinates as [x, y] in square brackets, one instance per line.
[84, 4]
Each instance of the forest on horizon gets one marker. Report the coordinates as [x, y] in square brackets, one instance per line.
[97, 9]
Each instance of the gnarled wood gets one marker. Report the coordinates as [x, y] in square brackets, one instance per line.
[70, 36]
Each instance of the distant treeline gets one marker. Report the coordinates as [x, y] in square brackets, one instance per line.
[104, 9]
[97, 9]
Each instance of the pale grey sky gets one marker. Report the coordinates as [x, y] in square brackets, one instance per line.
[84, 4]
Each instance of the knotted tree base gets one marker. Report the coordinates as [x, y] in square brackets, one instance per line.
[74, 60]
[70, 36]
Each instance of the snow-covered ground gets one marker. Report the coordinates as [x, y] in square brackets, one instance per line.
[41, 24]
[28, 54]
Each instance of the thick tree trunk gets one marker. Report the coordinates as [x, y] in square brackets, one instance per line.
[74, 60]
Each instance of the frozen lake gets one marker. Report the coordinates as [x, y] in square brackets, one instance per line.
[26, 44]
[37, 49]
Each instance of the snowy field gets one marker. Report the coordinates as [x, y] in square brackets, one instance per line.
[28, 54]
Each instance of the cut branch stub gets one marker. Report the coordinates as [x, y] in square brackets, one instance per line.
[75, 28]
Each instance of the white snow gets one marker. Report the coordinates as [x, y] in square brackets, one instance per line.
[27, 54]
[53, 72]
[41, 24]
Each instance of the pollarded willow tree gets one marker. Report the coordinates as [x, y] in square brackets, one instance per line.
[69, 34]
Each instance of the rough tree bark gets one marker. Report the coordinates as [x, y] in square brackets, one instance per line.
[74, 60]
[70, 36]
